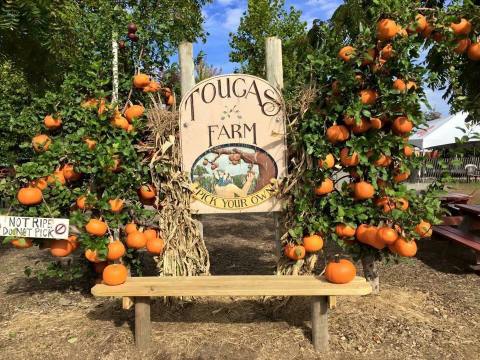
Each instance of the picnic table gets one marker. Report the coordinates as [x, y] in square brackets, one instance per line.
[455, 198]
[467, 233]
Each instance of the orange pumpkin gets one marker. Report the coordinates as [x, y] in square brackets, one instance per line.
[420, 23]
[40, 183]
[473, 51]
[61, 248]
[69, 173]
[363, 190]
[462, 45]
[327, 163]
[91, 144]
[150, 234]
[115, 274]
[345, 231]
[348, 120]
[147, 192]
[325, 187]
[424, 229]
[402, 125]
[407, 150]
[405, 248]
[313, 243]
[383, 161]
[136, 240]
[73, 239]
[349, 160]
[386, 29]
[462, 28]
[368, 96]
[337, 133]
[41, 143]
[153, 86]
[116, 205]
[340, 271]
[81, 202]
[362, 127]
[400, 85]
[115, 250]
[346, 53]
[134, 112]
[120, 122]
[92, 255]
[155, 245]
[56, 177]
[51, 123]
[399, 176]
[22, 243]
[30, 196]
[96, 227]
[387, 235]
[131, 227]
[141, 80]
[294, 252]
[376, 123]
[387, 52]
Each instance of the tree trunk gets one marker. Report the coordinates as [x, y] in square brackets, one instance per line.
[114, 67]
[370, 272]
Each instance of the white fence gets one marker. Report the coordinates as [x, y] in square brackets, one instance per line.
[456, 167]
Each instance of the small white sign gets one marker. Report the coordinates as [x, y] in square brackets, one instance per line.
[33, 227]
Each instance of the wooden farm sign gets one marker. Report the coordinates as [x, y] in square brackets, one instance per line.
[32, 227]
[232, 130]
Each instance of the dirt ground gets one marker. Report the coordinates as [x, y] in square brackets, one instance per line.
[429, 308]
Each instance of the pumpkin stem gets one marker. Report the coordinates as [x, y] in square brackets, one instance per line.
[336, 258]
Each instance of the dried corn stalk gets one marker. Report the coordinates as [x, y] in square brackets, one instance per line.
[185, 253]
[299, 162]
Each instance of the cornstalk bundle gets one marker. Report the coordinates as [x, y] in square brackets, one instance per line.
[298, 162]
[185, 253]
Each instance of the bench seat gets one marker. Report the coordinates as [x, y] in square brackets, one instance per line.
[321, 291]
[248, 285]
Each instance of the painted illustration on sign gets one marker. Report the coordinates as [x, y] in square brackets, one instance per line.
[233, 171]
[233, 143]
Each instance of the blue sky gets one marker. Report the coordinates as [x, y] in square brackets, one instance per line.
[223, 16]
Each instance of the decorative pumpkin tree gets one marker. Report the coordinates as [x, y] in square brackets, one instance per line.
[355, 135]
[87, 158]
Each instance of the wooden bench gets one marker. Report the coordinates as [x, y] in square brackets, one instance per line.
[143, 288]
[461, 237]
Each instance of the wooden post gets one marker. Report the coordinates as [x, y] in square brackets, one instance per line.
[274, 63]
[187, 69]
[274, 67]
[143, 327]
[320, 323]
[370, 271]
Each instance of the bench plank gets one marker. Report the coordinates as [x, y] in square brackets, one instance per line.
[247, 285]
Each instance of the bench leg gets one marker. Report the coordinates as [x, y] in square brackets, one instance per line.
[143, 327]
[320, 323]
